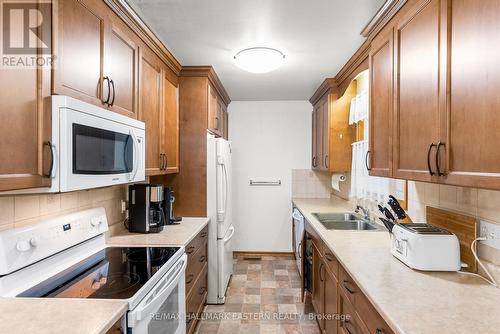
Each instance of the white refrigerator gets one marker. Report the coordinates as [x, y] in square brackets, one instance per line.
[221, 229]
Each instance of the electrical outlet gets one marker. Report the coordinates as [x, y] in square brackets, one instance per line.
[491, 232]
[123, 206]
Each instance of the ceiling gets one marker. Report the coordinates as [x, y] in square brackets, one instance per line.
[317, 36]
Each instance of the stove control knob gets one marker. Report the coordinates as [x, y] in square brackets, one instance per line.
[95, 221]
[34, 241]
[23, 245]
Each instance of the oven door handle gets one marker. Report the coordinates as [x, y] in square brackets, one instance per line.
[136, 156]
[141, 312]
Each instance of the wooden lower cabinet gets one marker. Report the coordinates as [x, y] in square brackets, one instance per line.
[330, 303]
[196, 278]
[338, 302]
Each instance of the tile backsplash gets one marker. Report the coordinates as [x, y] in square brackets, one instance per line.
[479, 203]
[307, 183]
[22, 210]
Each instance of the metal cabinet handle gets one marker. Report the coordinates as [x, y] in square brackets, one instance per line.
[429, 159]
[326, 161]
[202, 290]
[329, 257]
[203, 234]
[438, 168]
[52, 158]
[203, 258]
[347, 324]
[190, 250]
[379, 331]
[165, 164]
[344, 284]
[161, 161]
[314, 162]
[112, 83]
[366, 160]
[321, 272]
[189, 278]
[109, 91]
[216, 123]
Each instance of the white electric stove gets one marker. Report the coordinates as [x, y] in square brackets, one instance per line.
[67, 257]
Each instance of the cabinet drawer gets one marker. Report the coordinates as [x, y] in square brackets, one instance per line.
[348, 287]
[331, 262]
[351, 323]
[371, 318]
[197, 242]
[196, 262]
[196, 300]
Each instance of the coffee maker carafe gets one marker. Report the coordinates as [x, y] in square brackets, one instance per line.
[146, 208]
[170, 218]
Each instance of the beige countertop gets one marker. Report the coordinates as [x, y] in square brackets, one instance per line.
[410, 301]
[172, 235]
[53, 315]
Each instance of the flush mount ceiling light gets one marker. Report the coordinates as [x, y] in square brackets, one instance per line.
[259, 59]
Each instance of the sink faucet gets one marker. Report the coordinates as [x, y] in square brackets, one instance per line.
[366, 212]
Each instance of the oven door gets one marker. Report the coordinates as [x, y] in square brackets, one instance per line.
[98, 152]
[163, 310]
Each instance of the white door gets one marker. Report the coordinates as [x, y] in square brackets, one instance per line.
[298, 222]
[224, 188]
[225, 263]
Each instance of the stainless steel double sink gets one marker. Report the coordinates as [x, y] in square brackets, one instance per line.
[347, 221]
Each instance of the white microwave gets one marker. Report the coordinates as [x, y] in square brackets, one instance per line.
[92, 147]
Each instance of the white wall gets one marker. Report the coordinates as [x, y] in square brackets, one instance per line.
[269, 139]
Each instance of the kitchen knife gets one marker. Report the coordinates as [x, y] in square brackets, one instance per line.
[387, 213]
[389, 225]
[398, 210]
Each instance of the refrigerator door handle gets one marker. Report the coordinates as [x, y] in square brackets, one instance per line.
[221, 215]
[230, 235]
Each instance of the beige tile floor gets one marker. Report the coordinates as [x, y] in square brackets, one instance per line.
[264, 296]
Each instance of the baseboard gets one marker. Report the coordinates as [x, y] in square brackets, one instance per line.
[257, 253]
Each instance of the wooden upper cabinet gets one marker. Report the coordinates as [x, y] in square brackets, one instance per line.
[122, 54]
[97, 57]
[25, 128]
[417, 91]
[379, 158]
[79, 50]
[150, 73]
[318, 162]
[214, 112]
[470, 131]
[332, 135]
[170, 104]
[325, 115]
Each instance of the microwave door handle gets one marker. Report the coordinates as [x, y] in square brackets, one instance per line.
[136, 156]
[139, 312]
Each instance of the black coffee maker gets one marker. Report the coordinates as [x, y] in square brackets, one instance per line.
[146, 213]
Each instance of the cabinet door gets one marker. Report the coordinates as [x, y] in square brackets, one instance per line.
[319, 136]
[79, 40]
[379, 160]
[150, 109]
[331, 300]
[121, 67]
[325, 109]
[214, 123]
[416, 116]
[318, 278]
[170, 135]
[226, 122]
[472, 157]
[25, 128]
[314, 149]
